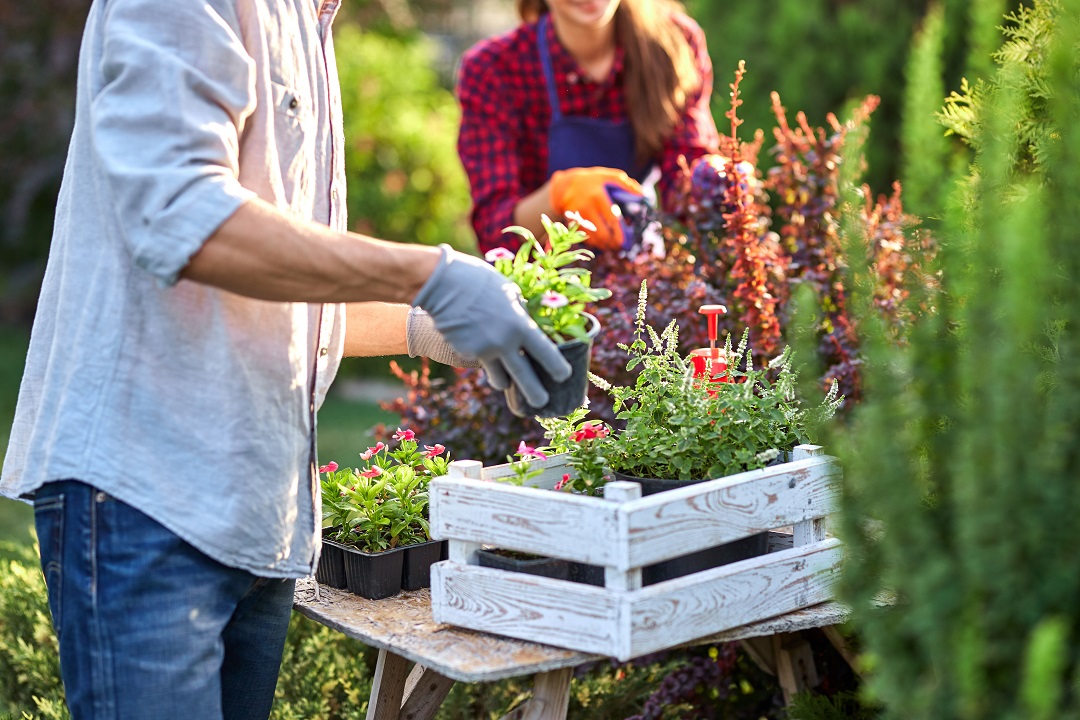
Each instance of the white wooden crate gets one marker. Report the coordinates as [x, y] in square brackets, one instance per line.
[624, 532]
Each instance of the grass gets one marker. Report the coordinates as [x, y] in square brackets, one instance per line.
[344, 429]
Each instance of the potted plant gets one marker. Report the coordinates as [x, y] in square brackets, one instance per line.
[378, 517]
[680, 427]
[556, 285]
[527, 563]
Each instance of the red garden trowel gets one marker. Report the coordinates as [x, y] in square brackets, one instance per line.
[710, 363]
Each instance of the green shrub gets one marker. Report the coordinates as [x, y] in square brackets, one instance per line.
[405, 180]
[29, 654]
[961, 465]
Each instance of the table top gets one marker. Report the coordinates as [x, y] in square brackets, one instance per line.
[403, 624]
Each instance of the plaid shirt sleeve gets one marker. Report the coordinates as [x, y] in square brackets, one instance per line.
[696, 133]
[488, 147]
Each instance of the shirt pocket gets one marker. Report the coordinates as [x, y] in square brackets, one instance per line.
[293, 135]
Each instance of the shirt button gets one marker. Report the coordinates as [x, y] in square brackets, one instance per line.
[293, 103]
[334, 194]
[323, 352]
[572, 78]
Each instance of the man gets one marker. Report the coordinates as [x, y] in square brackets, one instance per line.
[190, 321]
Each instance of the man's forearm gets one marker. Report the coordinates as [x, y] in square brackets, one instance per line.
[262, 253]
[375, 328]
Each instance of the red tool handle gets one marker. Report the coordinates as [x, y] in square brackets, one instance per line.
[712, 311]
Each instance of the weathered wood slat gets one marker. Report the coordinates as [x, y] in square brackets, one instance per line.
[681, 521]
[527, 607]
[684, 609]
[552, 471]
[562, 525]
[629, 624]
[404, 625]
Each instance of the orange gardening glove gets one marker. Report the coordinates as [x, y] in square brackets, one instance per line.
[584, 191]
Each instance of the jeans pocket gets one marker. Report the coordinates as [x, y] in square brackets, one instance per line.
[49, 523]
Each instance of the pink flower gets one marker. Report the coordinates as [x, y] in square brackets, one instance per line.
[564, 482]
[434, 450]
[524, 451]
[404, 434]
[367, 454]
[499, 253]
[329, 467]
[373, 472]
[589, 431]
[553, 299]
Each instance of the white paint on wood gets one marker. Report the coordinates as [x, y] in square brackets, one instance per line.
[572, 527]
[661, 616]
[678, 522]
[616, 578]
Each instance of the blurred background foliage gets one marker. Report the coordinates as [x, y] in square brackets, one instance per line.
[397, 60]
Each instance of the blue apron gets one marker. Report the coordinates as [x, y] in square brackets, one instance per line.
[580, 142]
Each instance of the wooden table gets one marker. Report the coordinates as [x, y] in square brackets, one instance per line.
[404, 632]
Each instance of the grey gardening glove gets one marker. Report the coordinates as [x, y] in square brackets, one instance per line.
[425, 341]
[480, 313]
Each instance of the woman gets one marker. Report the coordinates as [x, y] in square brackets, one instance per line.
[583, 96]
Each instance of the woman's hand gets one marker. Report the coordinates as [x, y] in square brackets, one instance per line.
[586, 191]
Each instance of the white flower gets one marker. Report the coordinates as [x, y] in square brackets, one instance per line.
[553, 299]
[499, 253]
[582, 222]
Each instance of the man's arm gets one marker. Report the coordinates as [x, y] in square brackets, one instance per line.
[262, 253]
[374, 328]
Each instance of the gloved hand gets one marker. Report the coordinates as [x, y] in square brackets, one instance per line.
[587, 191]
[481, 315]
[424, 340]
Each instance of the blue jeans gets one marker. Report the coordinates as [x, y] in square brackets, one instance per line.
[149, 627]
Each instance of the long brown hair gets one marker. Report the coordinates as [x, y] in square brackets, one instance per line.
[660, 69]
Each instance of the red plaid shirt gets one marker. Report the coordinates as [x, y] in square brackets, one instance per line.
[505, 116]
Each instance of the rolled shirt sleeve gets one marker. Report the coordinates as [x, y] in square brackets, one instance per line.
[166, 125]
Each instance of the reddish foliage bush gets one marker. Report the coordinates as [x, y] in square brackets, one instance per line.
[720, 249]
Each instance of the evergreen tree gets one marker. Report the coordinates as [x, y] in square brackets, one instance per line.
[962, 463]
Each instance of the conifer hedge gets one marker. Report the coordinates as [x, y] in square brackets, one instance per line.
[962, 463]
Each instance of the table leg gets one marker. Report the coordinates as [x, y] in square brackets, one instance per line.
[550, 700]
[425, 691]
[388, 687]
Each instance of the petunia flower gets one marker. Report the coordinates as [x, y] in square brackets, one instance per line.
[367, 454]
[373, 472]
[329, 467]
[524, 451]
[404, 434]
[564, 482]
[499, 253]
[434, 450]
[554, 299]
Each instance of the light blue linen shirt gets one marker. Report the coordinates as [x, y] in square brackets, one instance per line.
[192, 404]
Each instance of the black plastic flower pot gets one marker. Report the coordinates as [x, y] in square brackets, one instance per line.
[587, 574]
[566, 396]
[416, 568]
[542, 566]
[741, 549]
[373, 575]
[331, 568]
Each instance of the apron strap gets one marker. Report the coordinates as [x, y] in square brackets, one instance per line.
[545, 61]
